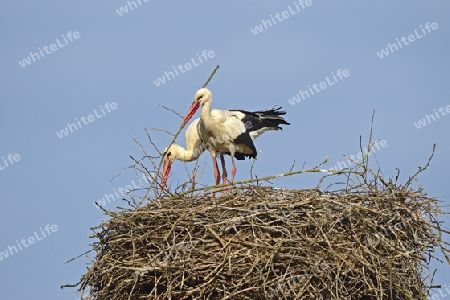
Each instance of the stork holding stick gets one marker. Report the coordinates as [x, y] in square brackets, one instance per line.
[228, 131]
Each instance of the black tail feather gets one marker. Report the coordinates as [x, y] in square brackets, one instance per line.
[264, 118]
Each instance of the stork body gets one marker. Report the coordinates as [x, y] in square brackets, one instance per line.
[231, 131]
[194, 148]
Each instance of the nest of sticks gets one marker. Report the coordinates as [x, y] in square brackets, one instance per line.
[372, 240]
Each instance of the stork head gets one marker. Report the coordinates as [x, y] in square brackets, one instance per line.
[201, 96]
[169, 157]
[170, 154]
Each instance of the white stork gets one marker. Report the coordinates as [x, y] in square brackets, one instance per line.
[231, 131]
[194, 146]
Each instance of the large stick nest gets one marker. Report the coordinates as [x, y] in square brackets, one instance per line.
[371, 240]
[269, 243]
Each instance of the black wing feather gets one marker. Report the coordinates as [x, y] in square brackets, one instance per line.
[256, 120]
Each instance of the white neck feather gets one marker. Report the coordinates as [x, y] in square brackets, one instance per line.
[205, 113]
[184, 155]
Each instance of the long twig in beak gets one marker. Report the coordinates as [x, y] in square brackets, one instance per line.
[192, 110]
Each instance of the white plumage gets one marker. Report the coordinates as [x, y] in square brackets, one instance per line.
[194, 147]
[231, 131]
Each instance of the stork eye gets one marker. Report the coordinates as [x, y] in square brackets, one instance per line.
[168, 154]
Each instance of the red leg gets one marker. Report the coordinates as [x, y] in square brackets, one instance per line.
[216, 171]
[233, 172]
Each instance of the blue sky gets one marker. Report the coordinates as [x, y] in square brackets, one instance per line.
[116, 59]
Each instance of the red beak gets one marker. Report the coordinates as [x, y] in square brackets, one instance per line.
[166, 172]
[192, 110]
